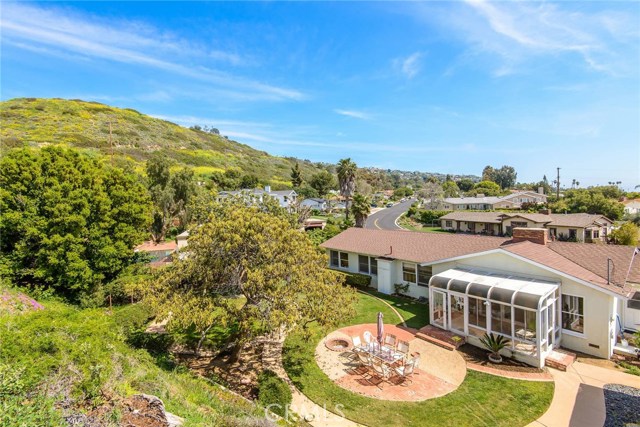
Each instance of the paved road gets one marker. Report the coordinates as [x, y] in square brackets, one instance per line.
[386, 218]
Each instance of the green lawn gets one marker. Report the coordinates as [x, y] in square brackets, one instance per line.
[481, 400]
[409, 224]
[415, 314]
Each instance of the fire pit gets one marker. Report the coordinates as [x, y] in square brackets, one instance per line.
[338, 344]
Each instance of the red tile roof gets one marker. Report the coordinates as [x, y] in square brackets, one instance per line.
[152, 247]
[587, 262]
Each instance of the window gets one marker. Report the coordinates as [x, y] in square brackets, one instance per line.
[367, 265]
[573, 313]
[521, 224]
[335, 259]
[344, 260]
[424, 274]
[449, 224]
[477, 316]
[363, 264]
[525, 324]
[573, 233]
[595, 234]
[409, 272]
[339, 259]
[501, 318]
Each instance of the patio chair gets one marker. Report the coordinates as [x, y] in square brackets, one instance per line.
[390, 341]
[403, 347]
[357, 343]
[381, 370]
[368, 337]
[406, 371]
[415, 359]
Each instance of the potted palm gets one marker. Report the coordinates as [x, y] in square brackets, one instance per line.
[494, 343]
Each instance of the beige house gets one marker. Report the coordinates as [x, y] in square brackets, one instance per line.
[481, 203]
[538, 294]
[574, 227]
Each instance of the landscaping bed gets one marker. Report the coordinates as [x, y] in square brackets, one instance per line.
[472, 354]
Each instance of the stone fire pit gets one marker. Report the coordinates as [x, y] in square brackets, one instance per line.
[338, 344]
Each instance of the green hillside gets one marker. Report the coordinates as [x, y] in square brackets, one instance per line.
[86, 125]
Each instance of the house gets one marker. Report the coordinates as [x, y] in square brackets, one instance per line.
[482, 203]
[317, 204]
[181, 239]
[286, 198]
[160, 254]
[579, 227]
[537, 293]
[631, 207]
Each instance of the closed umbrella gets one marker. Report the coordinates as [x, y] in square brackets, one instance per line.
[380, 328]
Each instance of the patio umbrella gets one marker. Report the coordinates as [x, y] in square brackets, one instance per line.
[380, 328]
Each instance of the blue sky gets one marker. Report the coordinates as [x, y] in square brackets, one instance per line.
[439, 86]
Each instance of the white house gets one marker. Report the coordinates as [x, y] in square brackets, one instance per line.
[314, 203]
[632, 207]
[286, 198]
[539, 294]
[482, 203]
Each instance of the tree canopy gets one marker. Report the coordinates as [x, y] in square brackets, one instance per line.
[626, 234]
[591, 200]
[245, 251]
[322, 182]
[360, 209]
[347, 171]
[68, 221]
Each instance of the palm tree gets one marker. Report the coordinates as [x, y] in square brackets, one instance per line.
[347, 180]
[360, 209]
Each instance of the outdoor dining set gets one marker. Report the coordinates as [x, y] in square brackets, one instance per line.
[384, 358]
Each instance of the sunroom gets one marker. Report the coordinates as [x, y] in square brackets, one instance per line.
[473, 302]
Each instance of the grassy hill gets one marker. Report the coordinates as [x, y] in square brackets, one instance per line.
[86, 125]
[59, 364]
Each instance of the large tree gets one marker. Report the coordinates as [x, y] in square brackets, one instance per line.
[626, 234]
[296, 176]
[322, 182]
[505, 177]
[347, 171]
[260, 256]
[360, 209]
[68, 221]
[170, 193]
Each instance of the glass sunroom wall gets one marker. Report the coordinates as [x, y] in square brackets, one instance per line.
[526, 331]
[477, 308]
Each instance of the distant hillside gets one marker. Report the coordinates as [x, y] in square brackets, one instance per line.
[127, 133]
[85, 125]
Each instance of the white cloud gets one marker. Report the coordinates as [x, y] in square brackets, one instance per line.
[352, 113]
[409, 66]
[59, 30]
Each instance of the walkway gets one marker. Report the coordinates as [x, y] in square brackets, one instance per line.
[578, 398]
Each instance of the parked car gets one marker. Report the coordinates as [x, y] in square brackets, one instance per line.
[389, 205]
[374, 205]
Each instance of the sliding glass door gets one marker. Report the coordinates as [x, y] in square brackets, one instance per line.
[439, 309]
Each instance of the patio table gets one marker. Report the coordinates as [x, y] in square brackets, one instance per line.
[385, 354]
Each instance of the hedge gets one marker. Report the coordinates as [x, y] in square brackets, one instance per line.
[355, 279]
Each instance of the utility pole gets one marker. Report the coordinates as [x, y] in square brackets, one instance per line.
[558, 186]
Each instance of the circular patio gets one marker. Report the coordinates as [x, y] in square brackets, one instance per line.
[440, 371]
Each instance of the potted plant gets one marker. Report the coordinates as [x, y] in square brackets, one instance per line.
[494, 343]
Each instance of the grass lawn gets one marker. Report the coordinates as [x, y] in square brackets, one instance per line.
[415, 314]
[481, 400]
[410, 224]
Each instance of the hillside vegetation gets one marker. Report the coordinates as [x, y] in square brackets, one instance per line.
[60, 365]
[86, 125]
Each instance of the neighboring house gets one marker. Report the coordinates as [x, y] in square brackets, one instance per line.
[482, 203]
[160, 253]
[539, 294]
[580, 227]
[318, 204]
[286, 198]
[181, 239]
[631, 207]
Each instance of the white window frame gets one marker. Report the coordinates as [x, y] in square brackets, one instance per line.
[340, 253]
[415, 272]
[584, 316]
[422, 284]
[370, 261]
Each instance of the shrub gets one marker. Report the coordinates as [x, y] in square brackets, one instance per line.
[401, 288]
[429, 216]
[355, 279]
[273, 392]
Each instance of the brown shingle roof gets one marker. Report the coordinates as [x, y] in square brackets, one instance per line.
[579, 220]
[411, 245]
[488, 217]
[583, 261]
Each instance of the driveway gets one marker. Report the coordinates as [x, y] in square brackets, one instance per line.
[578, 398]
[385, 219]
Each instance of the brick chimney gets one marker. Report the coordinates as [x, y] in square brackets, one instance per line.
[535, 235]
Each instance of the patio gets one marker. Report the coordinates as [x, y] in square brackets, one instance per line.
[439, 372]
